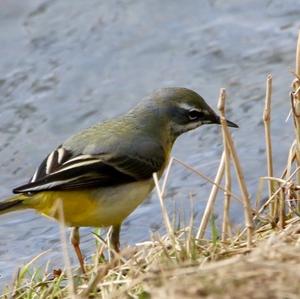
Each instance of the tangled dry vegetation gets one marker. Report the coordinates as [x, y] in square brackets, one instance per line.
[260, 261]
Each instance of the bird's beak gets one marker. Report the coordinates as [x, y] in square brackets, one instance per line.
[229, 123]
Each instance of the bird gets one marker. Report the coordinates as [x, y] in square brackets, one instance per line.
[103, 173]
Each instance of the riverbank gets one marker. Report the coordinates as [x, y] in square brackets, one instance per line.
[181, 268]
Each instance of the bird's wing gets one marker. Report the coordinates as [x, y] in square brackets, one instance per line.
[62, 170]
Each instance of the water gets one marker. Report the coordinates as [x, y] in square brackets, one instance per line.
[64, 67]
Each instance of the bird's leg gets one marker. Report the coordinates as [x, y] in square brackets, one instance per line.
[75, 240]
[115, 237]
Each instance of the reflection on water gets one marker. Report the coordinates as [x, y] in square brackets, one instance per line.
[57, 77]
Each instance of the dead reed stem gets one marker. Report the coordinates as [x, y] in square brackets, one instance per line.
[296, 110]
[163, 208]
[226, 210]
[208, 179]
[295, 100]
[281, 210]
[287, 173]
[239, 172]
[291, 159]
[164, 184]
[211, 199]
[226, 228]
[263, 207]
[60, 210]
[267, 125]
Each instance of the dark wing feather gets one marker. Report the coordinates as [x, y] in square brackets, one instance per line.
[61, 171]
[51, 163]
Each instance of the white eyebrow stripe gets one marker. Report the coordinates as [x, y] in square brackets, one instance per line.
[186, 106]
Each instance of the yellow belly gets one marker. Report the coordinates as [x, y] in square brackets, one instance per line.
[92, 207]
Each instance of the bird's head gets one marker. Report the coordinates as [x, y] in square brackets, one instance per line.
[184, 109]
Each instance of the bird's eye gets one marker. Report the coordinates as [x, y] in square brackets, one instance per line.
[195, 114]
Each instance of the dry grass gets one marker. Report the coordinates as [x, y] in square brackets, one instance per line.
[271, 270]
[188, 268]
[260, 261]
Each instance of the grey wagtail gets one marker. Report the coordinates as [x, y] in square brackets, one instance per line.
[104, 172]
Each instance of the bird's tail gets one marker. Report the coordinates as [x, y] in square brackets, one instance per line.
[11, 204]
